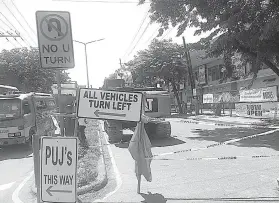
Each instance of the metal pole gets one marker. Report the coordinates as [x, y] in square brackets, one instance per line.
[60, 103]
[86, 65]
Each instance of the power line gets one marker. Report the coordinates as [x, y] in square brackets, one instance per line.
[139, 38]
[141, 24]
[15, 30]
[11, 42]
[18, 21]
[152, 36]
[168, 32]
[7, 21]
[23, 17]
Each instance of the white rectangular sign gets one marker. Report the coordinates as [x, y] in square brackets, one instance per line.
[208, 98]
[100, 104]
[259, 95]
[58, 169]
[71, 89]
[55, 39]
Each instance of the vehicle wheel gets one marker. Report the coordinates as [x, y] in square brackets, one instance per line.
[114, 131]
[163, 129]
[150, 129]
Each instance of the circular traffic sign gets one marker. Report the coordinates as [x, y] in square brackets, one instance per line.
[54, 27]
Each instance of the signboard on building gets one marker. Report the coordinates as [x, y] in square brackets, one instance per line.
[208, 98]
[100, 104]
[260, 110]
[151, 105]
[202, 76]
[67, 89]
[259, 95]
[58, 169]
[55, 39]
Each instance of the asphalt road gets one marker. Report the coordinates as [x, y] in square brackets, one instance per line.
[16, 164]
[184, 176]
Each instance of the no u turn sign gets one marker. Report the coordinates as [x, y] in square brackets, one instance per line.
[55, 39]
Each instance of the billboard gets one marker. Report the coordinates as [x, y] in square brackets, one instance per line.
[259, 95]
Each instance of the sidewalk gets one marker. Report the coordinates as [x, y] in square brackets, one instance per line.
[234, 120]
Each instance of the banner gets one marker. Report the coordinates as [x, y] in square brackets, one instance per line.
[202, 76]
[208, 98]
[259, 95]
[260, 110]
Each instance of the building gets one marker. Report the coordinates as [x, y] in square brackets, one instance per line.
[256, 98]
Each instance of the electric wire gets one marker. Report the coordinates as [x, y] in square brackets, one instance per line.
[19, 22]
[136, 34]
[23, 17]
[139, 38]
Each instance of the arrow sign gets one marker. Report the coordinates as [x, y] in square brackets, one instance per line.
[98, 113]
[50, 191]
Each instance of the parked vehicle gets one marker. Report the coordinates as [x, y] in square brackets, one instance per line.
[7, 90]
[23, 115]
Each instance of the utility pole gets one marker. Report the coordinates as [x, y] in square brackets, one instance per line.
[85, 50]
[191, 77]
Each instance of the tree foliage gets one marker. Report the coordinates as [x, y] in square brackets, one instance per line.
[23, 67]
[161, 61]
[248, 27]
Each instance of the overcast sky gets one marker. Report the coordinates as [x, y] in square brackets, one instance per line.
[116, 22]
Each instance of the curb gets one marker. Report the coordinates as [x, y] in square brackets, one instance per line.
[102, 178]
[100, 182]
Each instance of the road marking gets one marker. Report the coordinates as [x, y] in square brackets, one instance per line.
[116, 171]
[6, 186]
[15, 196]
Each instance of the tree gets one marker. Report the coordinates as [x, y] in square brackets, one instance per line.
[248, 27]
[23, 66]
[162, 60]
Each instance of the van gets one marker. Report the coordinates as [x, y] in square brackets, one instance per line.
[24, 115]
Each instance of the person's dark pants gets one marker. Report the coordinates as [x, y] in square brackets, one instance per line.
[82, 132]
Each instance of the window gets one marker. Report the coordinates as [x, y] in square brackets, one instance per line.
[214, 73]
[26, 108]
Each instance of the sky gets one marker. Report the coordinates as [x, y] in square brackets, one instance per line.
[117, 23]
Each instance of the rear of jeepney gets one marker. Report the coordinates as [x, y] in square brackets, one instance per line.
[11, 121]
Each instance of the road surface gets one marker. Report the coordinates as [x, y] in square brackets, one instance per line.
[16, 164]
[184, 176]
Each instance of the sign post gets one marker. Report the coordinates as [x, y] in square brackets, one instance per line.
[58, 169]
[110, 105]
[56, 52]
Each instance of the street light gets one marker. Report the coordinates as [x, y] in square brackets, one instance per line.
[86, 55]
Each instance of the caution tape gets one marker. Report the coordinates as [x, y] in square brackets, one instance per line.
[200, 148]
[219, 158]
[254, 125]
[215, 145]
